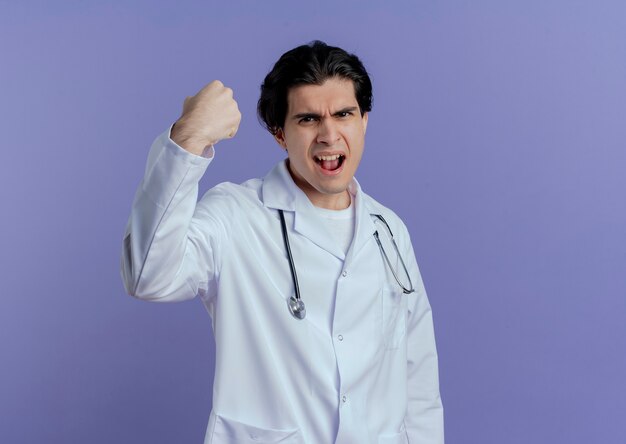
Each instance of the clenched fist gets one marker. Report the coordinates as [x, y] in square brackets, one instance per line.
[208, 117]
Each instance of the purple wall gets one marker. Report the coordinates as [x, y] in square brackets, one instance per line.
[498, 134]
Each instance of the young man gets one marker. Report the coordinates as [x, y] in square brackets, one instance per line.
[322, 325]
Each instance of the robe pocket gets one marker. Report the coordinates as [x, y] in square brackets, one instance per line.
[395, 438]
[394, 316]
[230, 431]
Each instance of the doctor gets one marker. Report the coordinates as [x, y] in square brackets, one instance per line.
[322, 325]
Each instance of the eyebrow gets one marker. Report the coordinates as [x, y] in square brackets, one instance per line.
[347, 109]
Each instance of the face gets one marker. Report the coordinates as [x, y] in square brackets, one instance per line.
[324, 135]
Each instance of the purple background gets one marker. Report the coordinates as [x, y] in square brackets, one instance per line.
[498, 134]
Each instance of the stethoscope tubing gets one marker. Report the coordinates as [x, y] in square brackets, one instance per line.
[395, 246]
[292, 265]
[296, 304]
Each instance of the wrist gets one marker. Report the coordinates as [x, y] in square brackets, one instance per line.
[186, 141]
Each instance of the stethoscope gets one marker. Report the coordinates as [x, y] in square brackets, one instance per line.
[296, 304]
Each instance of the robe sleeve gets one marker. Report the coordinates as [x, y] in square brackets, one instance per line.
[167, 255]
[424, 417]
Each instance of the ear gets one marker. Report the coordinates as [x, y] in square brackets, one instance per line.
[280, 138]
[364, 121]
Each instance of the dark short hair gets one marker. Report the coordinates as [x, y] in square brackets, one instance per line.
[310, 64]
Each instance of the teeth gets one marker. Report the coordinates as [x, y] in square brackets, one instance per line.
[334, 157]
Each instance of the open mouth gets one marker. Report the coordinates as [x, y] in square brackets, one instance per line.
[330, 163]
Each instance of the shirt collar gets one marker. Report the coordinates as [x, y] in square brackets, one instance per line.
[280, 192]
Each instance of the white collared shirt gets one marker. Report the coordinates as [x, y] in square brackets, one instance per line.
[368, 377]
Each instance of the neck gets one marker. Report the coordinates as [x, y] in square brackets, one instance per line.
[329, 201]
[332, 201]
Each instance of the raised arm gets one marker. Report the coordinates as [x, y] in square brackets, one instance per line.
[169, 249]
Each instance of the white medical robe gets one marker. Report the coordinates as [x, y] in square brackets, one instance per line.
[368, 376]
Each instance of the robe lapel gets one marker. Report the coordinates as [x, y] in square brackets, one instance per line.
[364, 227]
[280, 192]
[309, 224]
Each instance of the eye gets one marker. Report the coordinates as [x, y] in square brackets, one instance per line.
[306, 119]
[344, 114]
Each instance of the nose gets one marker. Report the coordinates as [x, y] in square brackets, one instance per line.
[328, 132]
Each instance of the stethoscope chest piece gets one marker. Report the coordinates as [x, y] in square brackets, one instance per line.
[295, 304]
[296, 307]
